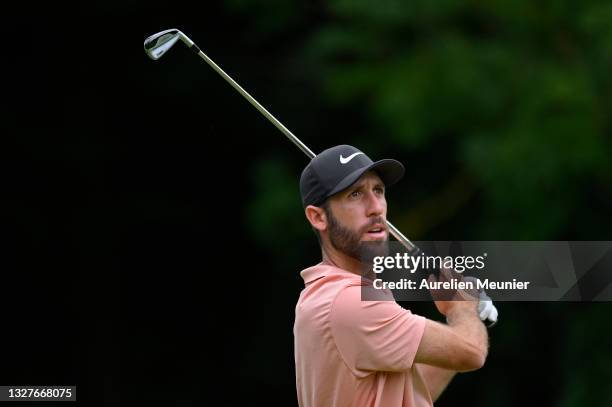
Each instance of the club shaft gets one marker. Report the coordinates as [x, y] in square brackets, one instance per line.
[412, 248]
[258, 106]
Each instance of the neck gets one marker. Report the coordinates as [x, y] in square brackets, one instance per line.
[338, 259]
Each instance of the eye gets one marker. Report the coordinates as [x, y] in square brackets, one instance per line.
[379, 190]
[355, 194]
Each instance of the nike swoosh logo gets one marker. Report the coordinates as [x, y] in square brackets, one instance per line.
[349, 158]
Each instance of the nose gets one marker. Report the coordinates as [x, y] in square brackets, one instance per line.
[376, 204]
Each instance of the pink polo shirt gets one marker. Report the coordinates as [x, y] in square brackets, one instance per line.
[350, 352]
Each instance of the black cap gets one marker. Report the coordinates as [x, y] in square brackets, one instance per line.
[337, 168]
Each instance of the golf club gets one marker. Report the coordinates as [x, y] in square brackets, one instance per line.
[157, 45]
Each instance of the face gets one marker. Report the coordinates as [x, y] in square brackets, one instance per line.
[356, 215]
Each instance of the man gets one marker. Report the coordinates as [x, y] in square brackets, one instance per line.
[350, 352]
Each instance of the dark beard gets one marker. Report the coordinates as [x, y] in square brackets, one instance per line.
[348, 242]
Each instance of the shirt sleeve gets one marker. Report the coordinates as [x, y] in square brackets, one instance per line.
[374, 335]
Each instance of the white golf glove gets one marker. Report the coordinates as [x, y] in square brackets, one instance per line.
[486, 309]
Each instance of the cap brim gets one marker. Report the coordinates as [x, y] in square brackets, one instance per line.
[390, 171]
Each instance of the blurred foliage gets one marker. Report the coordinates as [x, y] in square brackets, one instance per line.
[273, 214]
[517, 93]
[501, 109]
[587, 358]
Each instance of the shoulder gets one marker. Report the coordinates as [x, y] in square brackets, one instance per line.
[349, 308]
[374, 335]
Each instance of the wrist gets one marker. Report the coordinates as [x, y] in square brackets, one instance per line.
[461, 312]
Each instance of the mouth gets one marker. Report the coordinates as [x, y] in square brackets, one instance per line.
[376, 232]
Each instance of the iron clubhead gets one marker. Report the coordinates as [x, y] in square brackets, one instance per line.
[157, 44]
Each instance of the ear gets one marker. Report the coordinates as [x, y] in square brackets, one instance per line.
[316, 217]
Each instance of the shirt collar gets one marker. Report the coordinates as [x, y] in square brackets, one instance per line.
[321, 270]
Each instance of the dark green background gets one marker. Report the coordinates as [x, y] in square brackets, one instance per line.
[154, 234]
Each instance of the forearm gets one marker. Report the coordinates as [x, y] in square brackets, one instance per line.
[472, 334]
[436, 378]
[468, 325]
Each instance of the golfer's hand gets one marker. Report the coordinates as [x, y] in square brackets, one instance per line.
[451, 301]
[486, 309]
